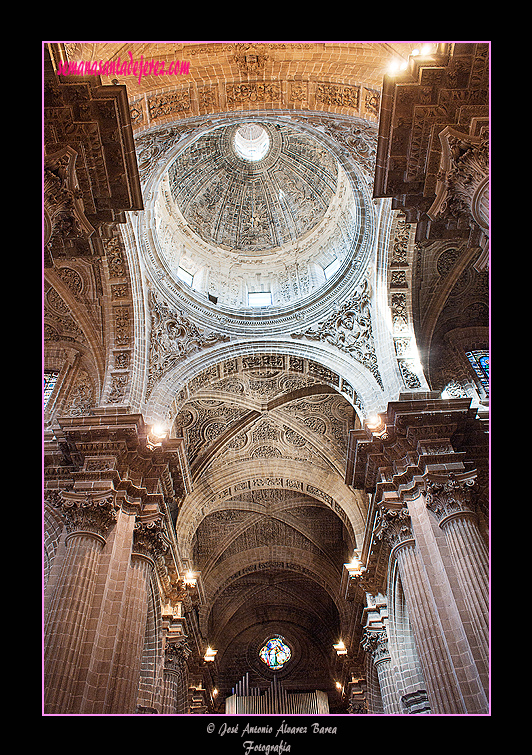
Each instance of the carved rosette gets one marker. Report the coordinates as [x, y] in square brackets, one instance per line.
[149, 540]
[394, 527]
[176, 654]
[375, 642]
[89, 512]
[449, 496]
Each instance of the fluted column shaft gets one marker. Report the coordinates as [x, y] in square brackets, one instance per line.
[438, 673]
[88, 519]
[376, 643]
[175, 677]
[122, 698]
[449, 500]
[126, 670]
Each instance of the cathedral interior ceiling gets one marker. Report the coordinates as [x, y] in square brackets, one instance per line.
[256, 174]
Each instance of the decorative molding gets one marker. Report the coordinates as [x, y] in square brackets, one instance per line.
[173, 338]
[349, 329]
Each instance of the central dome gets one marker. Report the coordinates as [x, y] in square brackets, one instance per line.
[253, 187]
[254, 214]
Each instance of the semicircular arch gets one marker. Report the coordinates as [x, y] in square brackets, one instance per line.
[328, 488]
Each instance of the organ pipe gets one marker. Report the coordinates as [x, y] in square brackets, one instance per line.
[246, 699]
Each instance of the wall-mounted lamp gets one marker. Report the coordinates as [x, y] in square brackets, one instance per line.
[210, 654]
[190, 579]
[397, 65]
[374, 421]
[156, 436]
[340, 648]
[355, 567]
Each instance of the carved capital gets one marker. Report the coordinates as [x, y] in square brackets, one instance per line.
[463, 178]
[87, 512]
[176, 654]
[375, 642]
[451, 495]
[149, 539]
[394, 526]
[63, 207]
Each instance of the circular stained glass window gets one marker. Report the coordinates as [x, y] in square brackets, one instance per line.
[275, 653]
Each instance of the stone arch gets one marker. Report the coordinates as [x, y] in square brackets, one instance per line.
[348, 377]
[330, 489]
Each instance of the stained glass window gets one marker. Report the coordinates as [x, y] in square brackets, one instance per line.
[50, 379]
[480, 361]
[275, 653]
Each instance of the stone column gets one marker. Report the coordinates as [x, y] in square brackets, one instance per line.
[175, 693]
[375, 642]
[449, 498]
[148, 542]
[88, 519]
[444, 695]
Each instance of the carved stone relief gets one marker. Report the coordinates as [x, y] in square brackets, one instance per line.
[350, 330]
[172, 339]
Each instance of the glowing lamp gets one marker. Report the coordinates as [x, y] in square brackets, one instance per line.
[340, 648]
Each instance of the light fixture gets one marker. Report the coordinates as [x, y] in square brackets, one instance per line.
[415, 52]
[355, 567]
[340, 648]
[156, 435]
[338, 685]
[374, 421]
[397, 65]
[190, 579]
[210, 655]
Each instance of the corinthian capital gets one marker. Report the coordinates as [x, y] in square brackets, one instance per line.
[88, 512]
[449, 495]
[149, 539]
[176, 654]
[375, 642]
[394, 526]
